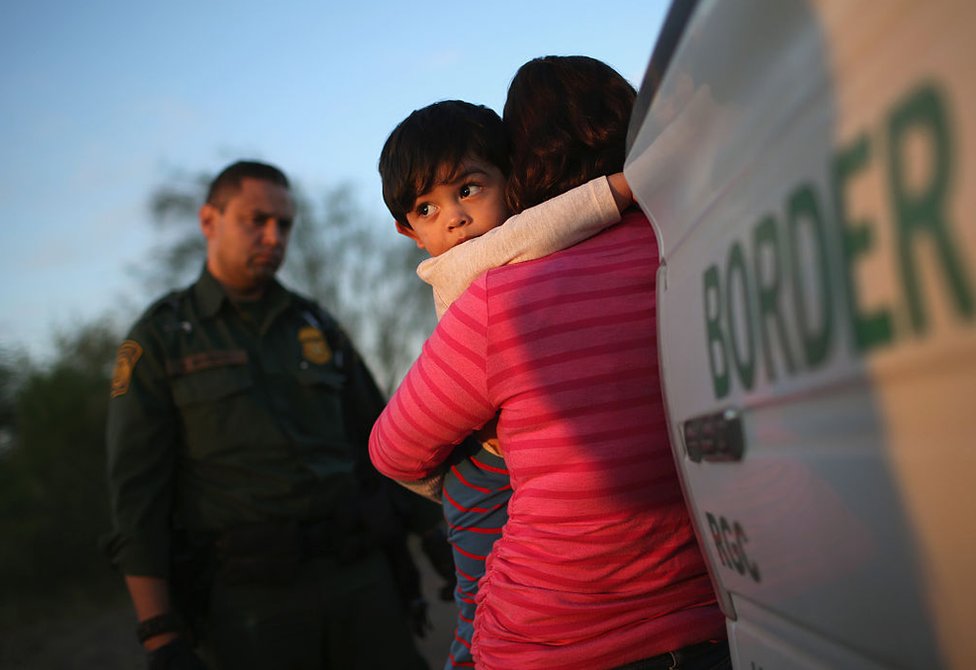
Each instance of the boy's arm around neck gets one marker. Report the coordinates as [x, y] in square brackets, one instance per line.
[538, 231]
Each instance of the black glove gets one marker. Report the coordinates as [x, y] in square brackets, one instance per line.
[175, 655]
[438, 551]
[417, 617]
[446, 592]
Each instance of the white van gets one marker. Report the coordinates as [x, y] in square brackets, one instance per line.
[810, 170]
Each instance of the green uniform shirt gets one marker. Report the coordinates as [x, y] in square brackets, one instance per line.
[225, 415]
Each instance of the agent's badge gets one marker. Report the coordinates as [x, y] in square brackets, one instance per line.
[125, 362]
[314, 347]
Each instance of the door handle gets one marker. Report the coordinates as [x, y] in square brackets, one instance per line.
[715, 437]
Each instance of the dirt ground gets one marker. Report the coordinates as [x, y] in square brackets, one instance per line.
[104, 639]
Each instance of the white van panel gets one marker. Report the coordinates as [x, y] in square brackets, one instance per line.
[765, 641]
[810, 171]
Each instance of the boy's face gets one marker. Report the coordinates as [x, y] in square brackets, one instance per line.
[470, 204]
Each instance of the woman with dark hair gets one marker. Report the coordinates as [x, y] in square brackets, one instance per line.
[598, 566]
[563, 131]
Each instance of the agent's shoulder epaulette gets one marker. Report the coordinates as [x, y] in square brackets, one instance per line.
[165, 315]
[169, 303]
[314, 311]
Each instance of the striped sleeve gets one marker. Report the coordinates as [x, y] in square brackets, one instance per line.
[443, 397]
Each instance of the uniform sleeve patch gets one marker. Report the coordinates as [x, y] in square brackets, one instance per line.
[125, 362]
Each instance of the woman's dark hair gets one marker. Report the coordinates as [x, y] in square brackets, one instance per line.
[567, 119]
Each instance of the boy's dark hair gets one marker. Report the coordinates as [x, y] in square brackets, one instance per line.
[434, 139]
[567, 119]
[227, 184]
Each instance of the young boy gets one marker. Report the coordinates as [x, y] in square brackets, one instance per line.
[444, 170]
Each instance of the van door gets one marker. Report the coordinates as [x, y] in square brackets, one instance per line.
[810, 171]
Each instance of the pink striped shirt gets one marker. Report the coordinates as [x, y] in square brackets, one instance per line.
[598, 564]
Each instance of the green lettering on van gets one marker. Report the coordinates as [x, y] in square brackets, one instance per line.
[868, 329]
[736, 273]
[921, 214]
[766, 245]
[803, 210]
[717, 358]
[746, 297]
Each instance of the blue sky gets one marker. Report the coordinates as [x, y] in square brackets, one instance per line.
[102, 100]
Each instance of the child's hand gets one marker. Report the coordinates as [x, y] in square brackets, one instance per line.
[487, 435]
[620, 189]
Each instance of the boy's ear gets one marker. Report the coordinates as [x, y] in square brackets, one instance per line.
[409, 232]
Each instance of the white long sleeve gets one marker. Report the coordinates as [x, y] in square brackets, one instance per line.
[538, 231]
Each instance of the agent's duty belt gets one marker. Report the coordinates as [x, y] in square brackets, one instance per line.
[270, 553]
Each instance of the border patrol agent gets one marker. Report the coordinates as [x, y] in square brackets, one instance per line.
[247, 520]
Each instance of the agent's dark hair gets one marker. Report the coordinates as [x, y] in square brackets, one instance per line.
[428, 147]
[227, 184]
[567, 119]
